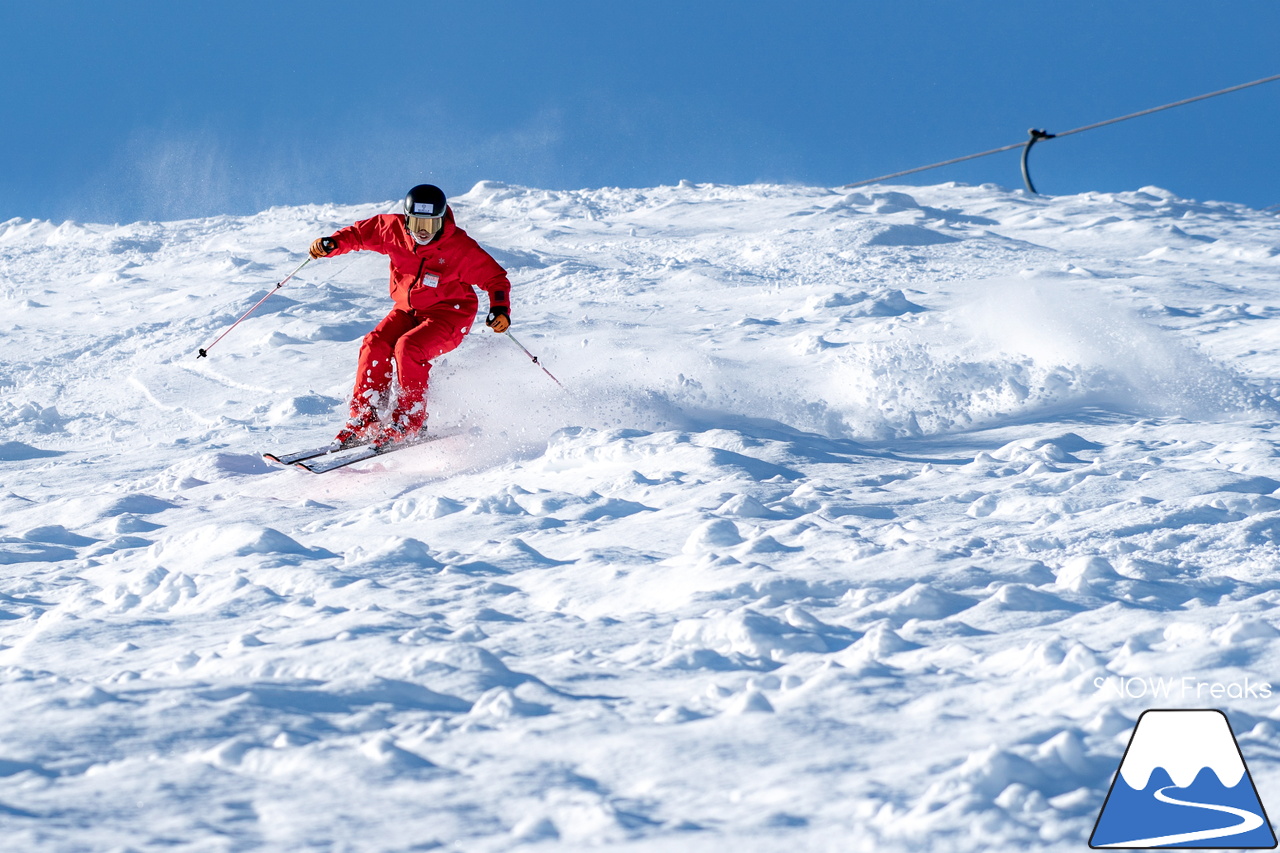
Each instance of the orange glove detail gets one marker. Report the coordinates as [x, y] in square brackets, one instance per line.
[498, 320]
[322, 247]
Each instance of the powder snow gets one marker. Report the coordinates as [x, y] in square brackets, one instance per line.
[856, 510]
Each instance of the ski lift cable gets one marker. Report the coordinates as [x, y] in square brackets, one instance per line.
[1037, 135]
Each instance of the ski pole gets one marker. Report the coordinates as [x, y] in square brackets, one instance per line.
[205, 351]
[532, 357]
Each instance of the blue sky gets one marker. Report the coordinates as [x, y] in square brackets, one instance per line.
[119, 111]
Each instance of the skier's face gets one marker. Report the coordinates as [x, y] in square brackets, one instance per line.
[424, 228]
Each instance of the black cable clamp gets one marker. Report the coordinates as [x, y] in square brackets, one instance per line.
[1036, 135]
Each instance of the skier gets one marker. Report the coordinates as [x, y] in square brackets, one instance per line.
[435, 267]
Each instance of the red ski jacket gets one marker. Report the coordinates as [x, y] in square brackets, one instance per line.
[445, 269]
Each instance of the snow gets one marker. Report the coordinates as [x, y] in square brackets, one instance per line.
[868, 521]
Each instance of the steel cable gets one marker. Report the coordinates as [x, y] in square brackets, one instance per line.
[1094, 126]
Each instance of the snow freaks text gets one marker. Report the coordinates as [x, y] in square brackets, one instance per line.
[1186, 687]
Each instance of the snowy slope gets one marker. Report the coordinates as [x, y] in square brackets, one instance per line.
[866, 520]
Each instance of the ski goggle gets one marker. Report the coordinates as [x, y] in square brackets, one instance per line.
[430, 224]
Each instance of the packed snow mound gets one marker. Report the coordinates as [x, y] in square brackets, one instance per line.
[863, 520]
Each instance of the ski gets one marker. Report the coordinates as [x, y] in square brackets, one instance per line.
[299, 455]
[323, 463]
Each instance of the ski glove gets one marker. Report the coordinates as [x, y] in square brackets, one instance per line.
[323, 246]
[498, 320]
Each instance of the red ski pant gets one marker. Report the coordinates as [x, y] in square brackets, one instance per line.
[408, 340]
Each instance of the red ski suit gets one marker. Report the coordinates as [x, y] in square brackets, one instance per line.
[435, 304]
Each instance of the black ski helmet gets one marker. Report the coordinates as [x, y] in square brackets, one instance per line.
[425, 200]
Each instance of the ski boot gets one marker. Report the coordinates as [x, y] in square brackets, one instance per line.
[360, 428]
[408, 422]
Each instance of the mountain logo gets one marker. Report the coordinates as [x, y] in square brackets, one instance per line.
[1183, 783]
